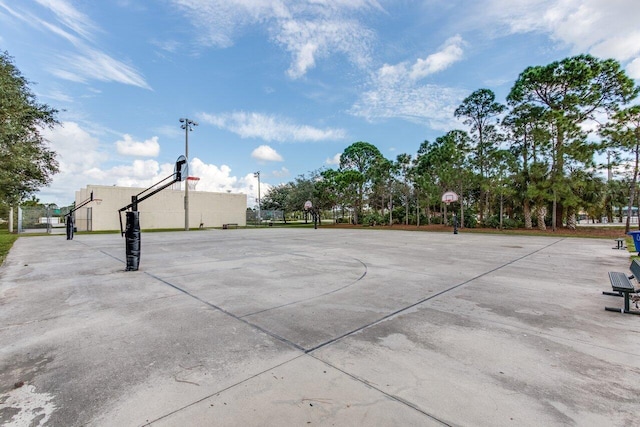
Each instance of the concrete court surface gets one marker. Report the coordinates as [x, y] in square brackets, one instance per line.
[303, 327]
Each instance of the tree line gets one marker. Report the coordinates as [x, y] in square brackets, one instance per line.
[529, 161]
[26, 161]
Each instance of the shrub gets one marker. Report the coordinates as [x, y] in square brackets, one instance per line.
[372, 218]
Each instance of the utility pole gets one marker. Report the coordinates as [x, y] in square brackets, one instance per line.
[257, 175]
[187, 125]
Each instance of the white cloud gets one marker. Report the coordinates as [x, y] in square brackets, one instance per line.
[84, 62]
[267, 154]
[394, 91]
[429, 104]
[335, 160]
[281, 173]
[604, 28]
[128, 147]
[269, 127]
[84, 161]
[219, 179]
[77, 149]
[308, 41]
[91, 64]
[214, 178]
[450, 53]
[308, 29]
[634, 69]
[70, 17]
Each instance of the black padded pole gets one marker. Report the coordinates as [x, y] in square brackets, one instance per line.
[69, 227]
[132, 240]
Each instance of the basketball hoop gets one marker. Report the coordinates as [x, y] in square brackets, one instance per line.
[98, 201]
[449, 197]
[308, 205]
[192, 182]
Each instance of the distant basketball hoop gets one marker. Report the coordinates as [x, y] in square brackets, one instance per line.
[192, 182]
[449, 197]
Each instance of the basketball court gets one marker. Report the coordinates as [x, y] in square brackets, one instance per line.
[281, 326]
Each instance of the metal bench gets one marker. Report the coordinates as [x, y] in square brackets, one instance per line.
[227, 226]
[622, 287]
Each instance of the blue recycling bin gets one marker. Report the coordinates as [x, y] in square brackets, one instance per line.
[636, 239]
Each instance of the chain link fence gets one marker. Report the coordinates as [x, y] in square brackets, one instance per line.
[41, 219]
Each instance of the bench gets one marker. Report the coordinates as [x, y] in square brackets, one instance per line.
[226, 226]
[622, 287]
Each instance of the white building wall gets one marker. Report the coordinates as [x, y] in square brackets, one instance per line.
[162, 210]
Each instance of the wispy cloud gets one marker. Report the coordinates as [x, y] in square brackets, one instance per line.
[71, 17]
[84, 61]
[266, 154]
[394, 91]
[270, 127]
[309, 41]
[308, 29]
[91, 64]
[281, 173]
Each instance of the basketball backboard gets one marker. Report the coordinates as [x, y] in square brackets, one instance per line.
[449, 197]
[181, 170]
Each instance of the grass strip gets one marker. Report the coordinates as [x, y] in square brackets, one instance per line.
[6, 242]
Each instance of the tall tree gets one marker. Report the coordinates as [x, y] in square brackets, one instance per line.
[349, 182]
[623, 134]
[26, 161]
[360, 157]
[529, 140]
[403, 166]
[571, 91]
[278, 198]
[326, 190]
[480, 111]
[443, 164]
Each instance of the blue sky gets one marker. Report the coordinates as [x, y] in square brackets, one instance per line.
[279, 86]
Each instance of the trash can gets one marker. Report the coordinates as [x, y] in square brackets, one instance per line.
[636, 239]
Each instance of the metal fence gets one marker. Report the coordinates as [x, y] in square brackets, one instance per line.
[266, 216]
[42, 219]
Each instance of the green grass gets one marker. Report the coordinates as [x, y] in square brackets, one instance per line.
[6, 241]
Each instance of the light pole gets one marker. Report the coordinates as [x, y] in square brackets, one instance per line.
[257, 175]
[187, 125]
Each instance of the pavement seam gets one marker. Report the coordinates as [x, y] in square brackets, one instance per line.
[209, 396]
[390, 396]
[423, 300]
[228, 313]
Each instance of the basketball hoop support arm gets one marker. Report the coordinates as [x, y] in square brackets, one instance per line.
[83, 203]
[136, 199]
[69, 216]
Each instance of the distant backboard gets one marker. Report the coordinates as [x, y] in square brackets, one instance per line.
[449, 197]
[307, 205]
[181, 170]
